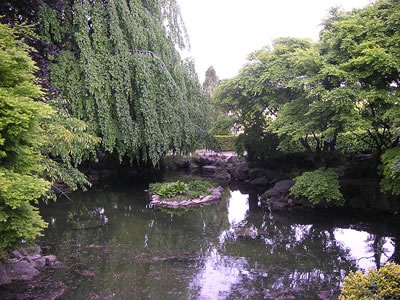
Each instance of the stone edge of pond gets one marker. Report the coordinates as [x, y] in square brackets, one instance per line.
[216, 195]
[24, 264]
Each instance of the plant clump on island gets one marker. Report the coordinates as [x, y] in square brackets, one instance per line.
[180, 194]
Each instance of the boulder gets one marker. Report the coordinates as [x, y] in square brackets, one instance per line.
[277, 206]
[16, 254]
[50, 259]
[223, 177]
[241, 172]
[206, 160]
[183, 164]
[233, 160]
[255, 173]
[21, 270]
[194, 168]
[39, 263]
[260, 181]
[277, 198]
[35, 250]
[3, 275]
[209, 170]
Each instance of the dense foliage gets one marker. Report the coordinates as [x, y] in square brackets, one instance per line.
[222, 122]
[193, 188]
[339, 94]
[169, 189]
[391, 171]
[66, 144]
[226, 142]
[20, 138]
[119, 71]
[377, 284]
[319, 187]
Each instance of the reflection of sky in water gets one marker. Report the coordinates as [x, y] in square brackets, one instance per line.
[360, 245]
[218, 275]
[238, 205]
[221, 272]
[301, 230]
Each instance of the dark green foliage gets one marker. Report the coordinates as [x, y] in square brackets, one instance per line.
[339, 94]
[120, 72]
[319, 186]
[199, 188]
[391, 171]
[376, 284]
[170, 189]
[226, 142]
[67, 144]
[193, 188]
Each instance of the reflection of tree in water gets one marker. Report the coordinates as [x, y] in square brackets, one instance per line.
[141, 253]
[376, 243]
[298, 259]
[145, 253]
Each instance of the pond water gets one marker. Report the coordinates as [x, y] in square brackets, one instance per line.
[230, 250]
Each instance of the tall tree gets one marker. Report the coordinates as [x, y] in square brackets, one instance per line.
[361, 48]
[20, 138]
[119, 71]
[211, 81]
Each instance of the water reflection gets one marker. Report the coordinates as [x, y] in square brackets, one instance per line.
[220, 273]
[238, 206]
[368, 251]
[224, 251]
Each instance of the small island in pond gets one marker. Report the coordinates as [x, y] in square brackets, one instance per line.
[195, 192]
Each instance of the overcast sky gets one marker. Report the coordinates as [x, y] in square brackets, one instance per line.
[223, 32]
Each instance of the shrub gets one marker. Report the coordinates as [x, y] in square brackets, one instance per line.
[226, 142]
[21, 136]
[192, 189]
[377, 284]
[199, 188]
[318, 186]
[170, 189]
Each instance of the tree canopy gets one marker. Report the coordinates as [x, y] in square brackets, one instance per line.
[20, 137]
[341, 93]
[120, 72]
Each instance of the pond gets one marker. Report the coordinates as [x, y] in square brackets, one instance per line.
[229, 250]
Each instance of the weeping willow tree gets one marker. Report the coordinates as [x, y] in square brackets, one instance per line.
[120, 71]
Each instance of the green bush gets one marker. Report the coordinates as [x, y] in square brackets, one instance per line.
[318, 186]
[21, 137]
[199, 188]
[169, 189]
[226, 142]
[192, 189]
[390, 169]
[377, 284]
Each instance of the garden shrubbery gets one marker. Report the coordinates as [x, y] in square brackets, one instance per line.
[226, 142]
[190, 190]
[319, 186]
[377, 284]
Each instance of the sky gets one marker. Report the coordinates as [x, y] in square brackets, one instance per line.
[223, 32]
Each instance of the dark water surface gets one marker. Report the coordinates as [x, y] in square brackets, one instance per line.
[230, 250]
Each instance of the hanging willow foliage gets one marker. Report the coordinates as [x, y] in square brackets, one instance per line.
[121, 73]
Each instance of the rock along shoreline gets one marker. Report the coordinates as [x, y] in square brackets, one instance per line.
[216, 195]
